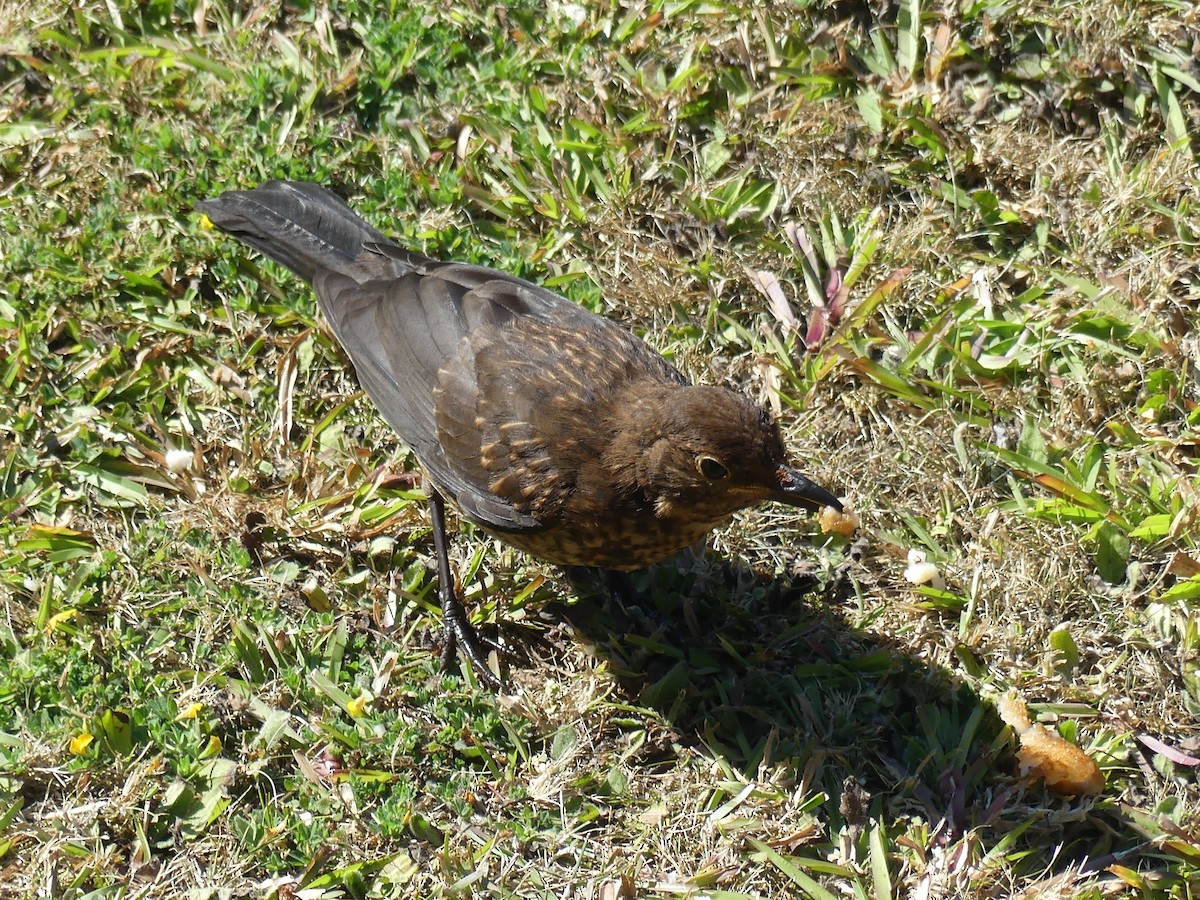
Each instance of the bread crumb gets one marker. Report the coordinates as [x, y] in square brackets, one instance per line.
[1065, 768]
[921, 572]
[844, 523]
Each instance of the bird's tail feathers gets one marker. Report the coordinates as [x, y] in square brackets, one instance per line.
[298, 224]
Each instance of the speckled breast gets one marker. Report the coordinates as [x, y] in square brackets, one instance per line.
[621, 544]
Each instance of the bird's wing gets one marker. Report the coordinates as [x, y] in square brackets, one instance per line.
[527, 403]
[448, 352]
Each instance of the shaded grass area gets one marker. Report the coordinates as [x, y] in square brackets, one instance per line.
[219, 616]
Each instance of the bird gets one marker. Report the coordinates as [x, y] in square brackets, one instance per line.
[552, 428]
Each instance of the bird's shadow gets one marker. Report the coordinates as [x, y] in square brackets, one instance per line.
[768, 671]
[752, 665]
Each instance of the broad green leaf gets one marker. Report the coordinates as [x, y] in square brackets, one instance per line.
[1112, 553]
[117, 729]
[868, 103]
[1181, 590]
[564, 742]
[1031, 444]
[1153, 527]
[880, 877]
[908, 36]
[1066, 651]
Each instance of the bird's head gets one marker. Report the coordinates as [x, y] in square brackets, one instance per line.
[708, 452]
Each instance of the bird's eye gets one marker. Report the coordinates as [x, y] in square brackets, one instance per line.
[711, 468]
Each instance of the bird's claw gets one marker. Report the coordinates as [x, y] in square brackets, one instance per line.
[460, 633]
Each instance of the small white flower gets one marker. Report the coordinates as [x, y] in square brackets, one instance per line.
[179, 461]
[575, 12]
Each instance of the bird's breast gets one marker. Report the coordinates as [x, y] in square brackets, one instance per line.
[613, 542]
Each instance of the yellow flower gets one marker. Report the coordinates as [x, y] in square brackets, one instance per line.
[190, 712]
[79, 743]
[59, 618]
[212, 748]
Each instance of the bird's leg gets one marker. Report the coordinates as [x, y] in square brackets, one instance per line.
[459, 632]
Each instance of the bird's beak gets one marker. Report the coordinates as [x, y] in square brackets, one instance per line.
[797, 490]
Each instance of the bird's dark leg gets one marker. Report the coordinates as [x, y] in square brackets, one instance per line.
[459, 632]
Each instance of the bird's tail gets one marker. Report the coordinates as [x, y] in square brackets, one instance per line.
[298, 224]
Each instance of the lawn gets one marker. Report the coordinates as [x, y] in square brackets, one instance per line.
[956, 248]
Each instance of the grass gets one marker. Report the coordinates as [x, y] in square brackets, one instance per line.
[220, 624]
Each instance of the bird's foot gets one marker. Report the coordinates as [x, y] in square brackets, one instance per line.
[459, 633]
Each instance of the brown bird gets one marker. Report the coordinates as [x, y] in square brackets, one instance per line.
[550, 427]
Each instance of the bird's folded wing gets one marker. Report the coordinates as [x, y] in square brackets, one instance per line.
[400, 333]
